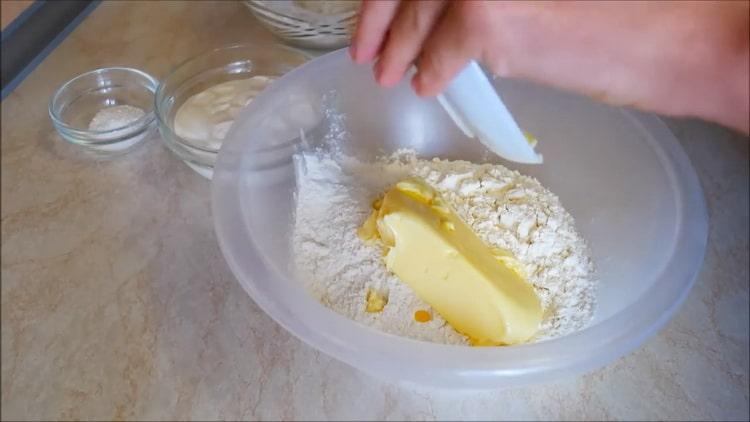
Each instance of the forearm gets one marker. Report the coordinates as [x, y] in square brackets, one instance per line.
[680, 59]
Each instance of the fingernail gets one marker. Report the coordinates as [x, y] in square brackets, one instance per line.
[378, 70]
[419, 83]
[364, 53]
[415, 84]
[425, 86]
[425, 78]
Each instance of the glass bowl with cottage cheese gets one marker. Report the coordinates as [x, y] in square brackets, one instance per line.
[620, 174]
[199, 99]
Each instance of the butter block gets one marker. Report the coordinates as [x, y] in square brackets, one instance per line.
[479, 291]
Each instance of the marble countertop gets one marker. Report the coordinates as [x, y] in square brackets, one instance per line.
[117, 303]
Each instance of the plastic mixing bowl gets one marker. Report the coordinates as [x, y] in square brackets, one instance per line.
[620, 173]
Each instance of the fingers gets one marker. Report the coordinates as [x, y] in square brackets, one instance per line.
[374, 19]
[446, 51]
[408, 31]
[437, 34]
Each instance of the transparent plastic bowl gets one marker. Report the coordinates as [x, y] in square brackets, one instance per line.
[621, 174]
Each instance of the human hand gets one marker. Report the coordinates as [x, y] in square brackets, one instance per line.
[670, 57]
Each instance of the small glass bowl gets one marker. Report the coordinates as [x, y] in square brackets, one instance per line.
[240, 61]
[76, 103]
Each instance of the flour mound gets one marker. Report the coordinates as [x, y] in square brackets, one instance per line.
[506, 209]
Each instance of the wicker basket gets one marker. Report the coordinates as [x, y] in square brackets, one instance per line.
[320, 24]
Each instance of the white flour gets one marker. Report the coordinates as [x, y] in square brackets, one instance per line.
[506, 209]
[115, 117]
[115, 120]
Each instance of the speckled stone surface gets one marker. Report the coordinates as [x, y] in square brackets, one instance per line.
[117, 303]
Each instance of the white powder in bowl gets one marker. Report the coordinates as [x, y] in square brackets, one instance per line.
[116, 119]
[506, 209]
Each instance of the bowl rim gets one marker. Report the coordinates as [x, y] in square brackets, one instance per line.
[582, 351]
[145, 120]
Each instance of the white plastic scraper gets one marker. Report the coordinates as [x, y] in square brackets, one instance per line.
[477, 109]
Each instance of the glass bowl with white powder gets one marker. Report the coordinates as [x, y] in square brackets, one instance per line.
[108, 110]
[197, 102]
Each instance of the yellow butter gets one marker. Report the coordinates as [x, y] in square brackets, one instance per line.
[479, 291]
[375, 301]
